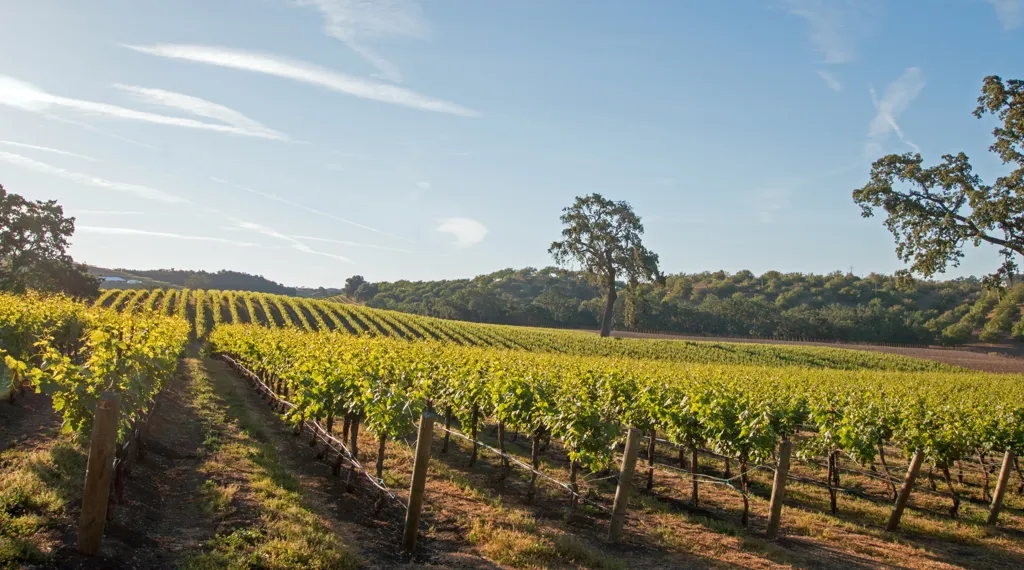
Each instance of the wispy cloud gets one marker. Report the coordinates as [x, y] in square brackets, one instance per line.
[108, 212]
[768, 202]
[466, 232]
[357, 22]
[423, 185]
[897, 98]
[92, 129]
[48, 149]
[306, 73]
[201, 108]
[1010, 12]
[292, 242]
[306, 208]
[830, 80]
[88, 180]
[135, 232]
[27, 97]
[835, 25]
[352, 243]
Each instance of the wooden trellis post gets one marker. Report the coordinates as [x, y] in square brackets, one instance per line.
[625, 485]
[97, 474]
[779, 489]
[1004, 480]
[424, 440]
[904, 494]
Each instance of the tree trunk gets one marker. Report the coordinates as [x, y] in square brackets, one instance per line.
[381, 447]
[831, 482]
[693, 476]
[447, 426]
[609, 311]
[350, 481]
[956, 498]
[650, 460]
[474, 422]
[347, 428]
[682, 457]
[888, 476]
[984, 472]
[744, 483]
[501, 448]
[574, 469]
[1016, 465]
[535, 462]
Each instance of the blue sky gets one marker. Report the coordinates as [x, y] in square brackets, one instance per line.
[309, 140]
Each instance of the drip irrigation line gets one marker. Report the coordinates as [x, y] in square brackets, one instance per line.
[334, 443]
[518, 462]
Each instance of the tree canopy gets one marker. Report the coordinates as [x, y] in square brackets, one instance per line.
[603, 237]
[34, 237]
[352, 284]
[933, 212]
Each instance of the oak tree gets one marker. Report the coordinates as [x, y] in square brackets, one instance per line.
[933, 212]
[34, 237]
[603, 237]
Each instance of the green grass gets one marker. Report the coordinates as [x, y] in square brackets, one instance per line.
[36, 487]
[283, 532]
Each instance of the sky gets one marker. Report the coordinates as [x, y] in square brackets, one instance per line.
[310, 140]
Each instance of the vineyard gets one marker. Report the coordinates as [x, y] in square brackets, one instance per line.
[208, 309]
[740, 412]
[555, 419]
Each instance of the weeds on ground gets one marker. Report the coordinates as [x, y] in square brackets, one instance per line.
[287, 534]
[36, 486]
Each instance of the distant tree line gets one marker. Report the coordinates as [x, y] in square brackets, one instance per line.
[223, 279]
[839, 306]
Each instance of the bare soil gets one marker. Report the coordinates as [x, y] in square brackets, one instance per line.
[1007, 359]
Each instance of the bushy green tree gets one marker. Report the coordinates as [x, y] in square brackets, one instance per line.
[34, 237]
[604, 238]
[933, 212]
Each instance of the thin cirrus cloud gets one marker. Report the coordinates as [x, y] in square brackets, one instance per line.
[309, 209]
[830, 81]
[137, 189]
[136, 232]
[835, 25]
[47, 149]
[351, 243]
[1010, 12]
[304, 72]
[359, 22]
[108, 212]
[292, 242]
[466, 232]
[896, 99]
[201, 108]
[27, 97]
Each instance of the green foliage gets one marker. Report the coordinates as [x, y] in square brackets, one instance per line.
[74, 354]
[34, 237]
[837, 306]
[603, 238]
[741, 411]
[934, 212]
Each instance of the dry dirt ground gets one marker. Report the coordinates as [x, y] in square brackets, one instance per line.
[221, 465]
[986, 358]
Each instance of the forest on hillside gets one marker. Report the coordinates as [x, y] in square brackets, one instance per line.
[840, 306]
[223, 279]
